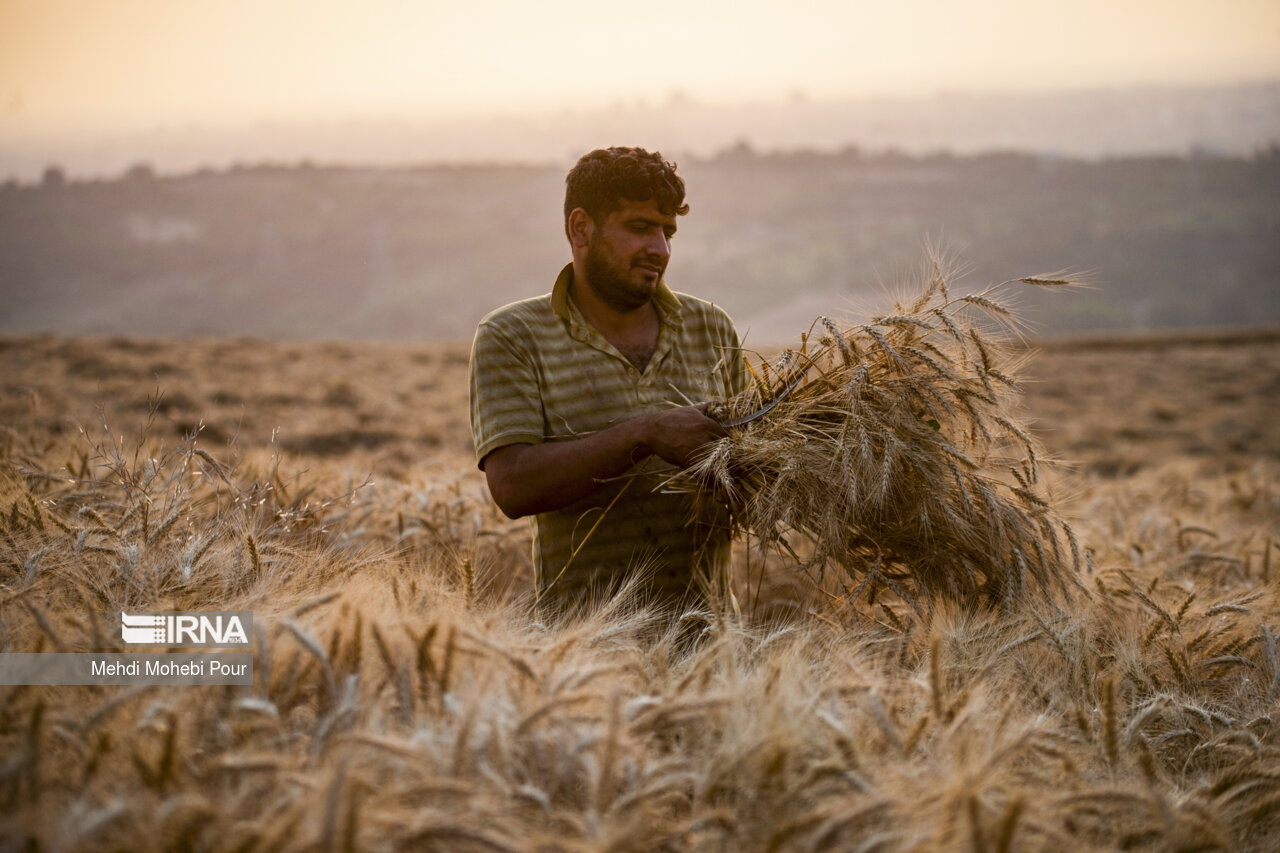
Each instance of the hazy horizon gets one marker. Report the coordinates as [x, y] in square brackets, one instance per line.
[1226, 120]
[100, 85]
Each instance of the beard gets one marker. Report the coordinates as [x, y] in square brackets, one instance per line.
[611, 281]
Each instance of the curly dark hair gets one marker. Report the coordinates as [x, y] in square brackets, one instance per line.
[601, 181]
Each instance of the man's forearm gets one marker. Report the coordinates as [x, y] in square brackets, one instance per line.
[530, 478]
[525, 479]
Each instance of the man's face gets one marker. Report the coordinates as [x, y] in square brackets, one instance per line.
[627, 254]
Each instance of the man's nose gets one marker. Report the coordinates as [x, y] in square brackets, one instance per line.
[659, 244]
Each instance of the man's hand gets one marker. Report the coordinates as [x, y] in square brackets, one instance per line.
[525, 479]
[676, 435]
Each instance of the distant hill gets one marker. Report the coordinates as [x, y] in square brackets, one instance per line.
[305, 252]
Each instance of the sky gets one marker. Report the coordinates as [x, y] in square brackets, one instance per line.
[107, 65]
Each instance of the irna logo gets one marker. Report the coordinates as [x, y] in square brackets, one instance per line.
[187, 630]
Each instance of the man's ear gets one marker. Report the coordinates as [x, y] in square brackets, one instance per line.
[581, 227]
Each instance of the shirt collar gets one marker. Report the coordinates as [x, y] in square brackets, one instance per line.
[664, 299]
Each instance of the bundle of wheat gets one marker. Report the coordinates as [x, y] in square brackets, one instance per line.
[894, 446]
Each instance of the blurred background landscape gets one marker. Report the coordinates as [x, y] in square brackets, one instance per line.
[397, 171]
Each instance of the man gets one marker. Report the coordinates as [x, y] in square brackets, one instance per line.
[580, 397]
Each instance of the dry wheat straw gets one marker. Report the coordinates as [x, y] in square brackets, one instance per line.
[1140, 718]
[889, 456]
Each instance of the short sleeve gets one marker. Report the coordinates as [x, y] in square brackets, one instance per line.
[506, 402]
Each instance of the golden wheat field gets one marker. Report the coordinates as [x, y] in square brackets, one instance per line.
[406, 698]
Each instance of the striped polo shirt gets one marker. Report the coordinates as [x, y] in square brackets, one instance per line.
[541, 372]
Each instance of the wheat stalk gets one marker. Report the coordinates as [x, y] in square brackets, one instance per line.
[889, 456]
